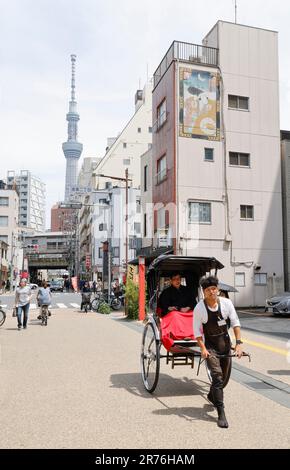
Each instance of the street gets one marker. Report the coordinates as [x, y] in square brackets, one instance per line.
[76, 384]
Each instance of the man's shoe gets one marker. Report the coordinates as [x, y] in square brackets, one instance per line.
[222, 420]
[19, 328]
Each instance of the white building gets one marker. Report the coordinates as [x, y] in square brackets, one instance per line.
[146, 171]
[9, 230]
[216, 155]
[32, 196]
[124, 151]
[103, 218]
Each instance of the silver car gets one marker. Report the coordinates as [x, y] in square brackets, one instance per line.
[279, 304]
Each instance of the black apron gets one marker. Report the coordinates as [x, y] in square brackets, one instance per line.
[216, 336]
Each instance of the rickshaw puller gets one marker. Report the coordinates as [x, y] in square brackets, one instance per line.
[210, 320]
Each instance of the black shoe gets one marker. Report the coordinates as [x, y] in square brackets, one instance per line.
[19, 328]
[222, 420]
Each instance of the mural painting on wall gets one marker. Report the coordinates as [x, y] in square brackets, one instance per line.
[199, 107]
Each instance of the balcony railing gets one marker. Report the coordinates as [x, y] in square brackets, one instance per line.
[186, 52]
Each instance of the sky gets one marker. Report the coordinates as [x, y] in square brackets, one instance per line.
[117, 43]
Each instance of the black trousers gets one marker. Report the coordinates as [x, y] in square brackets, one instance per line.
[218, 367]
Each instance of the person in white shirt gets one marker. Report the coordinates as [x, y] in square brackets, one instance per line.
[22, 302]
[211, 318]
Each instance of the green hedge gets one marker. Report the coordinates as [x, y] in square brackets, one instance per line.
[132, 300]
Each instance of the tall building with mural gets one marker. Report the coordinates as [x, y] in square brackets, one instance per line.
[216, 166]
[72, 149]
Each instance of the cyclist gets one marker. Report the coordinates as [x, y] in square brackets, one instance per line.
[44, 297]
[86, 294]
[211, 332]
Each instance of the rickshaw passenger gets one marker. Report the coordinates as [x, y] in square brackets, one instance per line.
[176, 297]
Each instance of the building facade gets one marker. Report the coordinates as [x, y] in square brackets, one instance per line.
[285, 159]
[32, 197]
[124, 151]
[216, 156]
[102, 223]
[10, 232]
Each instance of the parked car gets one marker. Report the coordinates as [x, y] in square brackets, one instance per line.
[279, 304]
[56, 286]
[33, 286]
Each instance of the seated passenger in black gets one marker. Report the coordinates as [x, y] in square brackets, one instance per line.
[176, 297]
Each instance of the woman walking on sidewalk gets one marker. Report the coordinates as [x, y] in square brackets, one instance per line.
[22, 303]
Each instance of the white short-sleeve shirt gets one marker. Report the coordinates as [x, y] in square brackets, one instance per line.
[200, 316]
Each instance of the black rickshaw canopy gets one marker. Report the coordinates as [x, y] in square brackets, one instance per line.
[166, 264]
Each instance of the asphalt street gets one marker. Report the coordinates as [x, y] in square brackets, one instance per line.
[76, 384]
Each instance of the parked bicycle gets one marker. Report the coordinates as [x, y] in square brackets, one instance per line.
[2, 316]
[102, 299]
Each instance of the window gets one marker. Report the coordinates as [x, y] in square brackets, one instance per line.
[240, 159]
[208, 154]
[161, 169]
[137, 227]
[240, 280]
[3, 221]
[138, 206]
[239, 102]
[51, 245]
[126, 161]
[102, 227]
[260, 279]
[145, 178]
[100, 252]
[116, 252]
[247, 212]
[124, 145]
[149, 146]
[150, 130]
[102, 201]
[4, 238]
[161, 114]
[145, 225]
[4, 201]
[161, 223]
[200, 212]
[139, 130]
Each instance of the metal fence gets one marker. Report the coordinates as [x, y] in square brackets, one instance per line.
[186, 52]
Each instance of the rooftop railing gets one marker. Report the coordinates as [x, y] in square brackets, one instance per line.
[186, 52]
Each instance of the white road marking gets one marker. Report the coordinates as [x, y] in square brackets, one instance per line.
[75, 305]
[62, 306]
[33, 306]
[4, 306]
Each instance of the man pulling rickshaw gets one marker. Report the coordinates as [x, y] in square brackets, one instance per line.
[211, 317]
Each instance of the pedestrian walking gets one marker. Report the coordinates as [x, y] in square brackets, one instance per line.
[22, 303]
[94, 287]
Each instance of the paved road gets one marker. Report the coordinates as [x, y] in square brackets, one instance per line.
[59, 300]
[76, 383]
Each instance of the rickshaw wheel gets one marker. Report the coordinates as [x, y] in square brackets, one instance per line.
[150, 358]
[226, 368]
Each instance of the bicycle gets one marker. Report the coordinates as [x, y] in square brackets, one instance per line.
[2, 316]
[100, 299]
[44, 315]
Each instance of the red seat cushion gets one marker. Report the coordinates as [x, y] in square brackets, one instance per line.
[176, 325]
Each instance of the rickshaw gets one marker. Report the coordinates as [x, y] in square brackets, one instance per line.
[180, 350]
